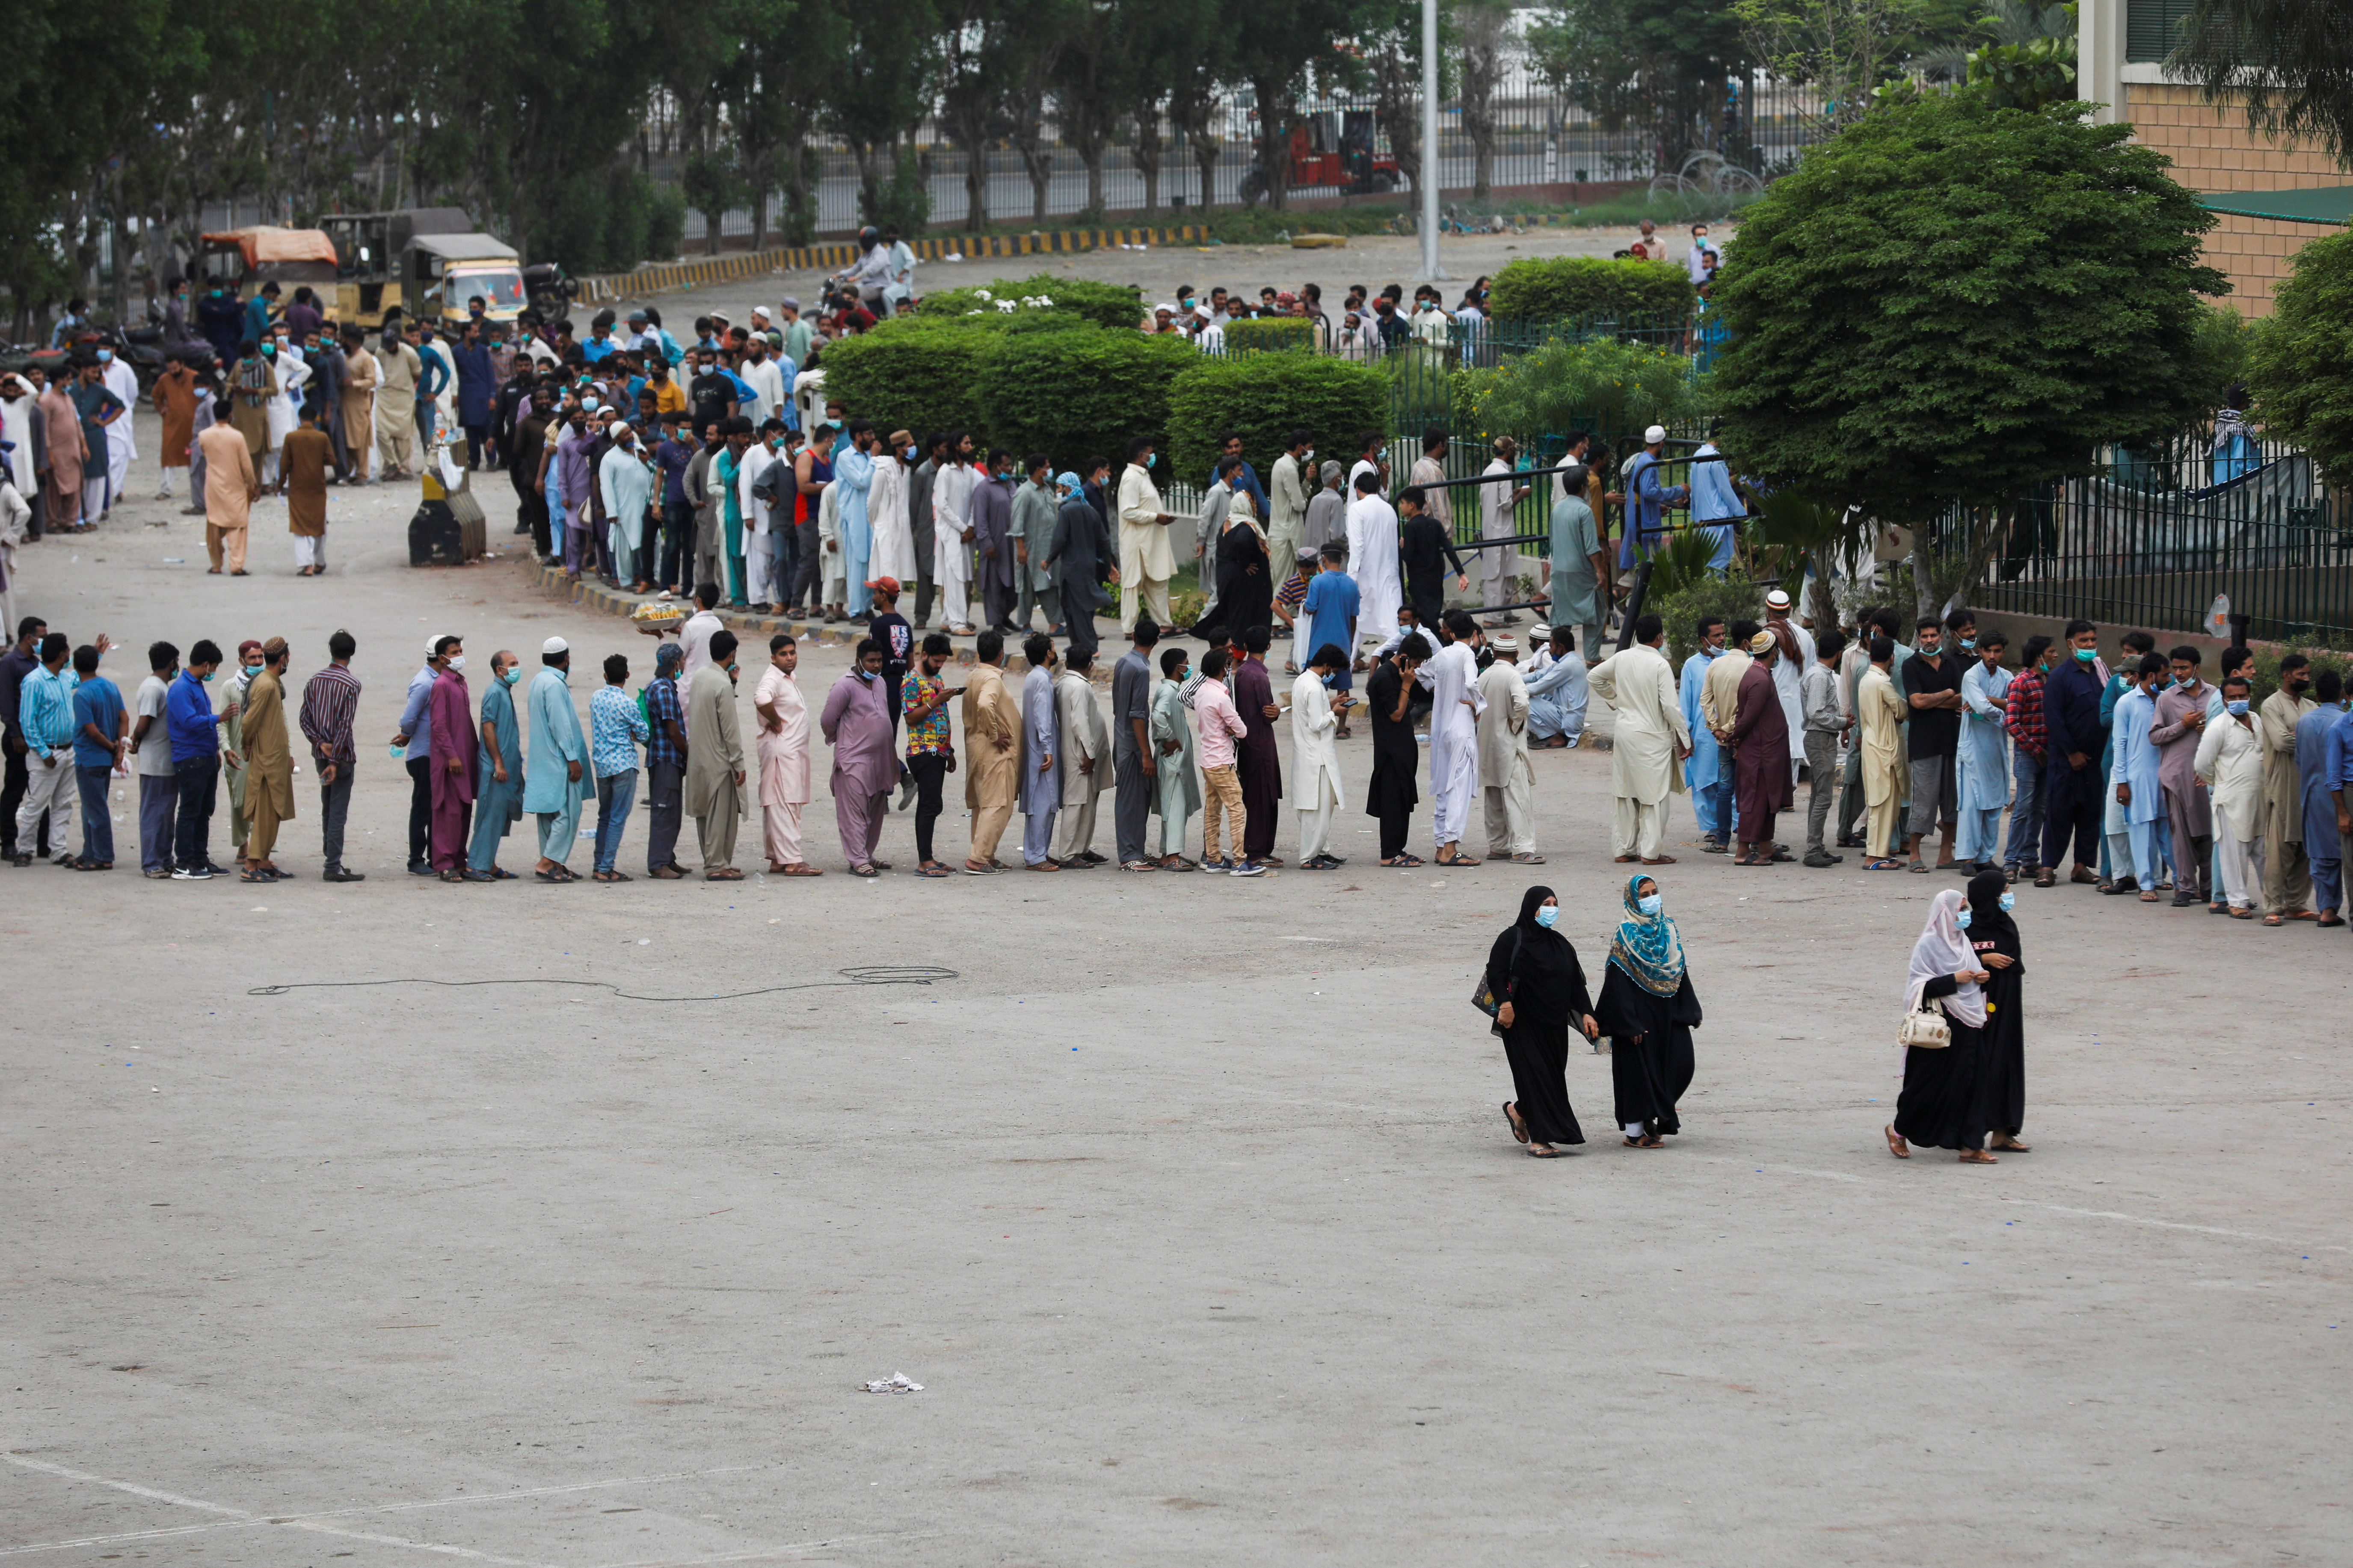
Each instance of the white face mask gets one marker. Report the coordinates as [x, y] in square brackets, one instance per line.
[457, 661]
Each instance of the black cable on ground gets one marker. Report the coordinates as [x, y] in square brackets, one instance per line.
[866, 975]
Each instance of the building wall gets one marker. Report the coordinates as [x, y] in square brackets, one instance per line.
[2214, 151]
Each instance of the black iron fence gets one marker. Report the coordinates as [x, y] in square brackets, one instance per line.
[2176, 537]
[1337, 146]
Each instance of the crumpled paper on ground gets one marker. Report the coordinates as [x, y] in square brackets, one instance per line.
[897, 1383]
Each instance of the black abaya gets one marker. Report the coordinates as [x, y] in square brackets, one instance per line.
[1245, 583]
[1650, 1074]
[1941, 1105]
[1537, 970]
[2001, 1071]
[1396, 756]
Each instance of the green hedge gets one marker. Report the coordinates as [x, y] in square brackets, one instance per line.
[1079, 394]
[1265, 397]
[1563, 287]
[920, 375]
[1111, 305]
[1270, 334]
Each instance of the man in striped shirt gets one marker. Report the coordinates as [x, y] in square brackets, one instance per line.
[330, 701]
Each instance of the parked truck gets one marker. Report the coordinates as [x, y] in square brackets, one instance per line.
[420, 262]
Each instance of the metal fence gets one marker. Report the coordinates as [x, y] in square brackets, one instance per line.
[1338, 147]
[2156, 537]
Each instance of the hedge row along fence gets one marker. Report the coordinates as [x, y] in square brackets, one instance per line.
[1045, 365]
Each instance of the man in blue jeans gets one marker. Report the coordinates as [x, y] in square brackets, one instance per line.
[196, 756]
[615, 731]
[98, 750]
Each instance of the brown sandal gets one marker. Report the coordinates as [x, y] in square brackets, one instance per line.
[1977, 1157]
[1895, 1144]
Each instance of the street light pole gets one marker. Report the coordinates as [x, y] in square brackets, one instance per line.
[1430, 141]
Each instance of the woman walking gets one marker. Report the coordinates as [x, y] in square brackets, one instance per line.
[1649, 1009]
[2001, 1070]
[1942, 1104]
[1245, 582]
[1397, 757]
[1533, 971]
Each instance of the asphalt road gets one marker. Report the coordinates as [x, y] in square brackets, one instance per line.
[403, 1272]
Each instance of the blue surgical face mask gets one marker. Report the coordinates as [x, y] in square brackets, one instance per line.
[2236, 708]
[2009, 900]
[1648, 903]
[589, 405]
[1546, 914]
[206, 676]
[1968, 642]
[1964, 918]
[2087, 654]
[1150, 458]
[511, 674]
[106, 356]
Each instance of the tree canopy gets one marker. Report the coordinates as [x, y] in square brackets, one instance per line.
[2302, 373]
[1950, 302]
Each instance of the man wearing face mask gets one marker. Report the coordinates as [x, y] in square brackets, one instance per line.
[2074, 738]
[2180, 725]
[454, 761]
[398, 370]
[893, 550]
[713, 789]
[269, 762]
[2137, 786]
[233, 691]
[2231, 761]
[1287, 498]
[992, 526]
[1705, 772]
[195, 762]
[569, 481]
[853, 481]
[411, 743]
[330, 700]
[1146, 560]
[857, 724]
[2287, 875]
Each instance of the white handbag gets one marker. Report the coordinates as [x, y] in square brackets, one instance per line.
[1925, 1029]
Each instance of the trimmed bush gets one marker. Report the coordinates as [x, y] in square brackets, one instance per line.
[1270, 334]
[1111, 305]
[921, 374]
[1265, 397]
[1080, 393]
[1565, 287]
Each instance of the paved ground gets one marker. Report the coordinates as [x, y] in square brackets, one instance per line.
[390, 1275]
[1375, 260]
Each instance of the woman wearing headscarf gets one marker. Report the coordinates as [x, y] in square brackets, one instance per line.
[1533, 973]
[1245, 586]
[1649, 1009]
[1941, 1105]
[2002, 1067]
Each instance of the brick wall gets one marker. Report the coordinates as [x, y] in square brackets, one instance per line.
[2214, 151]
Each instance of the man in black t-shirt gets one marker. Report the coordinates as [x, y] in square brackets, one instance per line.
[1932, 689]
[712, 392]
[891, 631]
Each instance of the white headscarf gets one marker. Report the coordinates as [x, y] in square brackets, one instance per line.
[1944, 948]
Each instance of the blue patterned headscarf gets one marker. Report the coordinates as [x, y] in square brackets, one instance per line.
[1648, 948]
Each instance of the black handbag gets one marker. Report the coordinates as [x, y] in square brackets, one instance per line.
[1485, 997]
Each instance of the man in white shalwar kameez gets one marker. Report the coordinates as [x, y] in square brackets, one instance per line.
[1797, 653]
[1316, 788]
[628, 484]
[1372, 558]
[783, 747]
[886, 514]
[1452, 676]
[1650, 739]
[121, 445]
[760, 584]
[952, 487]
[1085, 760]
[1507, 779]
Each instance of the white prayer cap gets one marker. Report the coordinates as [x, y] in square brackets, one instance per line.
[1164, 309]
[1654, 434]
[433, 641]
[1776, 598]
[553, 647]
[620, 428]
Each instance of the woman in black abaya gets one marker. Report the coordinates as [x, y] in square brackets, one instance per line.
[1942, 1104]
[2001, 1065]
[1533, 971]
[1649, 1008]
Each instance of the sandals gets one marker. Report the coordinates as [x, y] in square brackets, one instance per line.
[866, 870]
[1527, 859]
[1895, 1144]
[2046, 877]
[1461, 861]
[1647, 1141]
[1977, 1157]
[724, 874]
[802, 869]
[1519, 1128]
[613, 877]
[1546, 1152]
[2274, 920]
[933, 870]
[1659, 860]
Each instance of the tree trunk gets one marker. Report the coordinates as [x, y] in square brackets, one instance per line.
[1148, 155]
[1923, 588]
[972, 139]
[1274, 139]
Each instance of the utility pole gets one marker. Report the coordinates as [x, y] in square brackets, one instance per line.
[1430, 141]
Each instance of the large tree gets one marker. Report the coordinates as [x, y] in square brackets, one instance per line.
[2302, 376]
[1949, 303]
[2288, 63]
[1656, 66]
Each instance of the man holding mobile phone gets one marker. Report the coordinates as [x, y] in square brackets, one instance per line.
[930, 747]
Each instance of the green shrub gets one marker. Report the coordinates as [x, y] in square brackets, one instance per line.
[1731, 598]
[1565, 287]
[1271, 335]
[1079, 394]
[609, 224]
[921, 374]
[1111, 305]
[1267, 397]
[1595, 383]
